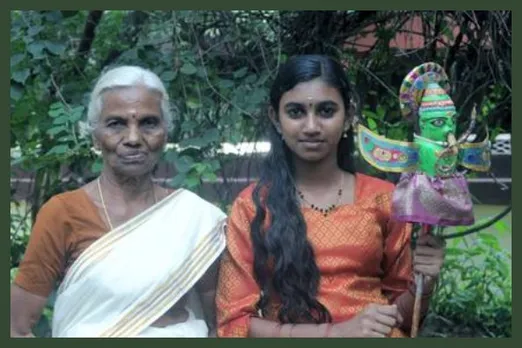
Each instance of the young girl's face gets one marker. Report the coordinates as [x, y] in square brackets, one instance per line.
[312, 119]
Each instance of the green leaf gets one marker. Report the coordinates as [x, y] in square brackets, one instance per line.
[61, 119]
[240, 73]
[130, 55]
[57, 105]
[371, 124]
[211, 135]
[447, 31]
[193, 103]
[397, 134]
[369, 114]
[21, 75]
[192, 182]
[55, 48]
[209, 176]
[178, 180]
[158, 70]
[188, 125]
[252, 78]
[36, 49]
[225, 84]
[380, 112]
[75, 117]
[501, 226]
[56, 16]
[201, 73]
[170, 155]
[16, 92]
[59, 149]
[168, 75]
[66, 139]
[188, 69]
[214, 164]
[97, 166]
[27, 39]
[489, 240]
[184, 163]
[200, 168]
[76, 114]
[55, 112]
[55, 130]
[16, 59]
[452, 251]
[34, 30]
[257, 96]
[14, 272]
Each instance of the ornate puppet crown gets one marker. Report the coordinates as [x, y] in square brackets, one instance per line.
[425, 91]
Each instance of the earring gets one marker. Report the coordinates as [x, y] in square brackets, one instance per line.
[345, 135]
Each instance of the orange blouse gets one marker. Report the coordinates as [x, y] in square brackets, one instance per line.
[65, 226]
[364, 257]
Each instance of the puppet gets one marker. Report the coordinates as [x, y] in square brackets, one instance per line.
[431, 193]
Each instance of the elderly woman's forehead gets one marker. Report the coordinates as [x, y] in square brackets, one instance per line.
[135, 97]
[130, 101]
[132, 94]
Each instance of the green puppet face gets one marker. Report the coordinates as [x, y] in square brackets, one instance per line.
[436, 123]
[437, 127]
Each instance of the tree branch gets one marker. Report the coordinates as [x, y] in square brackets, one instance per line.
[93, 19]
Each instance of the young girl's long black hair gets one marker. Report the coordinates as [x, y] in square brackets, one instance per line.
[284, 262]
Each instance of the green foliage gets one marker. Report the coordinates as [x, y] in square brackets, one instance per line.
[19, 234]
[476, 285]
[217, 66]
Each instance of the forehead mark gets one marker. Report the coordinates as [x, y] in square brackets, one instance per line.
[310, 101]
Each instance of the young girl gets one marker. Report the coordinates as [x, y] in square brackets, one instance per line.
[311, 249]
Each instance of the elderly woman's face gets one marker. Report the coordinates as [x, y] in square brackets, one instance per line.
[131, 132]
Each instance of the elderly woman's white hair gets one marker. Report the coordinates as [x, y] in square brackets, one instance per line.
[125, 76]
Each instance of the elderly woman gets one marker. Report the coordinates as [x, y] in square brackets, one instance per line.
[132, 259]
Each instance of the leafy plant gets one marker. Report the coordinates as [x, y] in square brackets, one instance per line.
[476, 285]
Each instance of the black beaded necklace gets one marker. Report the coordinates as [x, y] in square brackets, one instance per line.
[328, 209]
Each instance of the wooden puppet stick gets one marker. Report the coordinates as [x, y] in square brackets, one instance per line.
[419, 288]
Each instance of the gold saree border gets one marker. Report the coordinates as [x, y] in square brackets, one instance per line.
[170, 291]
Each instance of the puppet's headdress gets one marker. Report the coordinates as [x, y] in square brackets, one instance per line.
[425, 91]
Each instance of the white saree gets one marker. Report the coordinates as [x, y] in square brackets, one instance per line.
[131, 276]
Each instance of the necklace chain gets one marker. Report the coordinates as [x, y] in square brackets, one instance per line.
[105, 207]
[328, 209]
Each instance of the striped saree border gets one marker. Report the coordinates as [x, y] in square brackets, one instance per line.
[165, 294]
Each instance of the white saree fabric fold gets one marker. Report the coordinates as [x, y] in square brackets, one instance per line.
[132, 275]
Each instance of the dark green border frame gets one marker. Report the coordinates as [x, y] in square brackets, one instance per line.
[224, 5]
